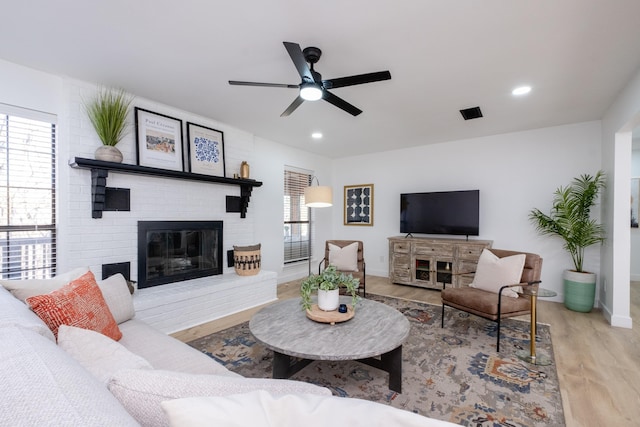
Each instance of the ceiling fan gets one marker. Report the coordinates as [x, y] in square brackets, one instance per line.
[312, 87]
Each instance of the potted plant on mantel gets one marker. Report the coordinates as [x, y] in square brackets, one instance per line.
[570, 219]
[328, 284]
[108, 112]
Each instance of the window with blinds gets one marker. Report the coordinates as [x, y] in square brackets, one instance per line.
[297, 230]
[27, 195]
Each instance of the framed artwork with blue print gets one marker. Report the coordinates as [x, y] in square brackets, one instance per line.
[206, 150]
[358, 204]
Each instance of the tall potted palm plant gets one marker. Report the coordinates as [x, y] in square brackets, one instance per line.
[108, 112]
[570, 219]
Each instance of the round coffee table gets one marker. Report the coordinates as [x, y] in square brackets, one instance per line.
[375, 330]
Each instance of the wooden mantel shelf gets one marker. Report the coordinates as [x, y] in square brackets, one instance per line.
[100, 171]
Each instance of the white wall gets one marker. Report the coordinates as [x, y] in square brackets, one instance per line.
[635, 232]
[28, 88]
[514, 172]
[617, 126]
[270, 160]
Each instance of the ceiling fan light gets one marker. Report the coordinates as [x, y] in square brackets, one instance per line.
[310, 92]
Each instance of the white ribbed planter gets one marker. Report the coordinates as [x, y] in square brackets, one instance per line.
[328, 300]
[108, 153]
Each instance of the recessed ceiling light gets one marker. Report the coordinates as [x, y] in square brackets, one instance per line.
[521, 90]
[316, 135]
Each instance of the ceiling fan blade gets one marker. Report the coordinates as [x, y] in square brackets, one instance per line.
[356, 80]
[340, 103]
[237, 83]
[298, 60]
[291, 108]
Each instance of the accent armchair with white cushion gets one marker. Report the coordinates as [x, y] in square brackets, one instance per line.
[348, 257]
[493, 292]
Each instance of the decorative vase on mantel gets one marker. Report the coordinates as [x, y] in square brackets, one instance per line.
[328, 300]
[244, 170]
[108, 153]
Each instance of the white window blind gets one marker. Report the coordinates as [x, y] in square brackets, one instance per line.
[297, 227]
[27, 194]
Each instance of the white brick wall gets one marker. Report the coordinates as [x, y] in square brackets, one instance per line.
[84, 241]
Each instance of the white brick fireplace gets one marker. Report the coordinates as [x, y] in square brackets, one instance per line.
[84, 241]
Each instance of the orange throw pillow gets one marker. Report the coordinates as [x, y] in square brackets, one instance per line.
[79, 303]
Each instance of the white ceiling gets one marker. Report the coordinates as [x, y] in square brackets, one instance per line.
[443, 55]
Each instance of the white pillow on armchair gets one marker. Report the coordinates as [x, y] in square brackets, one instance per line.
[346, 258]
[494, 272]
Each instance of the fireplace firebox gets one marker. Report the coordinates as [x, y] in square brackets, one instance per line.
[173, 251]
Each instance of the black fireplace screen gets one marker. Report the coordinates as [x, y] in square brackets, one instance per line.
[173, 251]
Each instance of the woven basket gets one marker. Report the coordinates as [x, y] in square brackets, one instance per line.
[246, 260]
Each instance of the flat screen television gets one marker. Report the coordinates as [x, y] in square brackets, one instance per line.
[443, 212]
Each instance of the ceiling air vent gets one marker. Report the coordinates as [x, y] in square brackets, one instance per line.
[471, 113]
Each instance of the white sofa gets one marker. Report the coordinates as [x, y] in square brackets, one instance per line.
[88, 379]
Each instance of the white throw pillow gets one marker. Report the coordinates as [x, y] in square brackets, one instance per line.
[494, 272]
[346, 258]
[142, 391]
[117, 296]
[23, 289]
[97, 353]
[261, 409]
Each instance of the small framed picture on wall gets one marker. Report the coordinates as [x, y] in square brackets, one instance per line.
[206, 150]
[358, 204]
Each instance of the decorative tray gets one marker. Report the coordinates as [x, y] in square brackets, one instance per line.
[331, 317]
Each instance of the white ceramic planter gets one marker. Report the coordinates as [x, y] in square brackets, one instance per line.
[108, 153]
[328, 300]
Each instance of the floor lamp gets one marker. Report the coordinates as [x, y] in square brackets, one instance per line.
[316, 197]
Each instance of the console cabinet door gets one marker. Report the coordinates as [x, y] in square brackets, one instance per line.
[400, 262]
[422, 267]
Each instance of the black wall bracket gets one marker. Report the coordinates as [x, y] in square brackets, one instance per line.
[100, 172]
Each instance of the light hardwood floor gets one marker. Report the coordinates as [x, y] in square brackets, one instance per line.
[598, 365]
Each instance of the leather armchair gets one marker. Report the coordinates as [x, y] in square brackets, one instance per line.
[360, 274]
[491, 305]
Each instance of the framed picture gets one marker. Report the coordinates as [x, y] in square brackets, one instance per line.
[358, 204]
[206, 150]
[635, 201]
[159, 140]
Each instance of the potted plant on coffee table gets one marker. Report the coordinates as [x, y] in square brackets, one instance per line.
[108, 112]
[328, 284]
[570, 219]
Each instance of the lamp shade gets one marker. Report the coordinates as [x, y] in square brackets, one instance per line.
[318, 197]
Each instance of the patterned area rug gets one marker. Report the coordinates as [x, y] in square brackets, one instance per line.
[451, 373]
